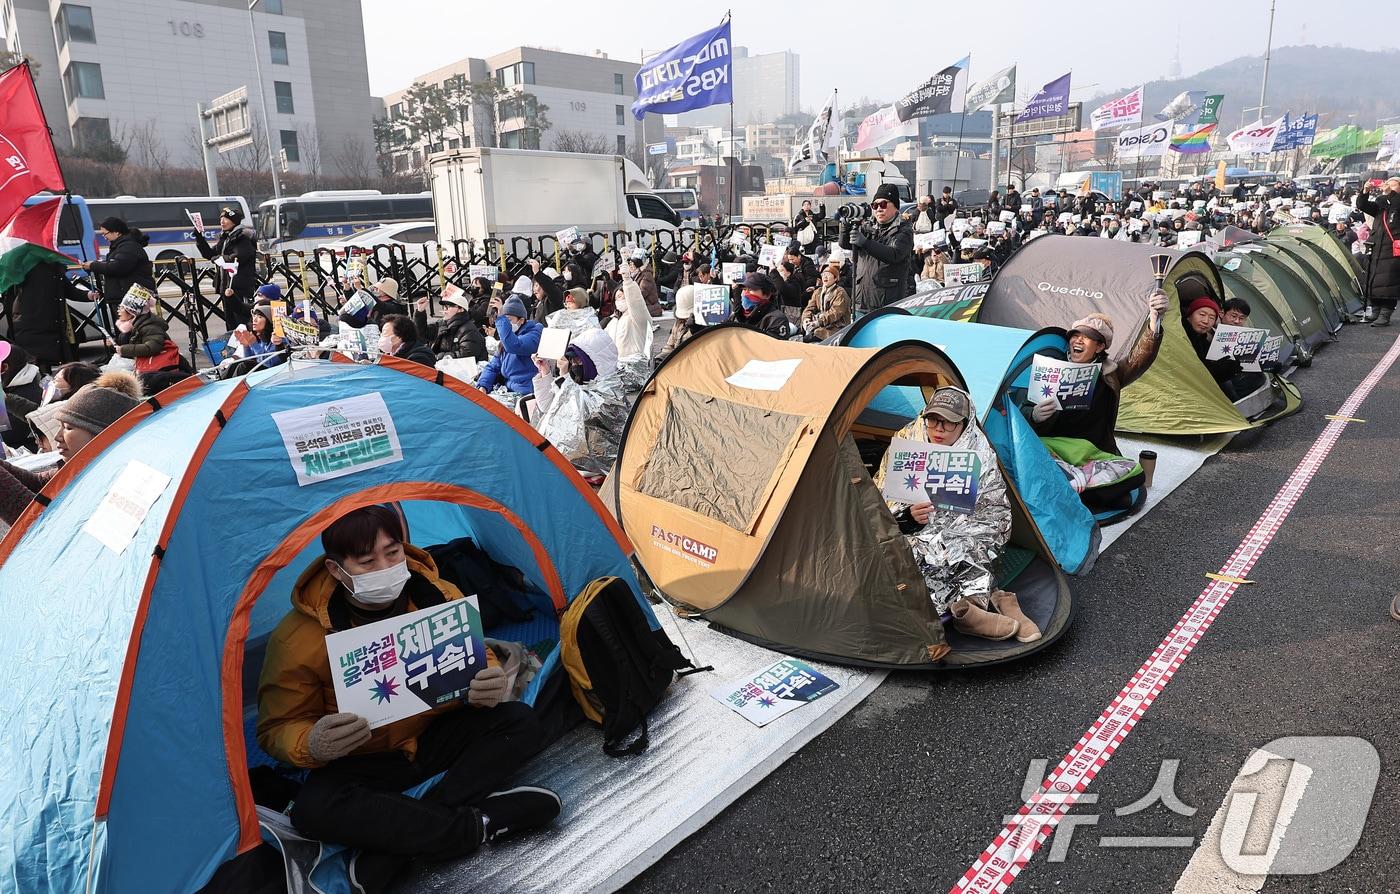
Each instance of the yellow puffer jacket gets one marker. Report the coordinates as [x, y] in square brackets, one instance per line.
[295, 689]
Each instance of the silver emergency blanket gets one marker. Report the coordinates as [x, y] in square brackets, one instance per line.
[635, 371]
[585, 421]
[576, 321]
[956, 552]
[1095, 473]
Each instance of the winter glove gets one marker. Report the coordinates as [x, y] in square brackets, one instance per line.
[336, 735]
[858, 239]
[488, 688]
[1043, 410]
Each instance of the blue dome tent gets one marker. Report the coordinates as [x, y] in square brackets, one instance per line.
[995, 360]
[125, 745]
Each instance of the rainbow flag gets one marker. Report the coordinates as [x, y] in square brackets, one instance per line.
[1193, 141]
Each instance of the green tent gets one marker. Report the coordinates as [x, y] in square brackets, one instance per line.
[1342, 266]
[1293, 304]
[1263, 311]
[1298, 284]
[1319, 277]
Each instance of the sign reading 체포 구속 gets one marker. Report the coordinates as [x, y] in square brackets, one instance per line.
[339, 437]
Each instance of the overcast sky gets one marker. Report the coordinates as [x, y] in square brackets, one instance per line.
[879, 48]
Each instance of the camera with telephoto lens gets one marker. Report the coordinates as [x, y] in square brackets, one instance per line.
[854, 213]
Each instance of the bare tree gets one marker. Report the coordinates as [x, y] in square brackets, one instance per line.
[581, 141]
[309, 149]
[352, 161]
[146, 150]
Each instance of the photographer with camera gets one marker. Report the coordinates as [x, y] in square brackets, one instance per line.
[883, 246]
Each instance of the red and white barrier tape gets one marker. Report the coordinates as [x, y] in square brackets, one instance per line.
[1019, 839]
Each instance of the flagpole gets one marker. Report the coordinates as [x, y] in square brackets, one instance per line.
[729, 17]
[962, 121]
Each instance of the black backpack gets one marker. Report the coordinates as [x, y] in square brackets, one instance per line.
[618, 666]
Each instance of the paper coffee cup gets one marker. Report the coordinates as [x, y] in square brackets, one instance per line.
[1148, 460]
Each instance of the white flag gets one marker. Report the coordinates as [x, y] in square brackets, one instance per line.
[1255, 138]
[1145, 142]
[1116, 112]
[1000, 87]
[821, 138]
[881, 127]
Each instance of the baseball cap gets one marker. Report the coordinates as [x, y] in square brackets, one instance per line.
[950, 404]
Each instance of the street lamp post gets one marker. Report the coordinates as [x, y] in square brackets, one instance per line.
[267, 123]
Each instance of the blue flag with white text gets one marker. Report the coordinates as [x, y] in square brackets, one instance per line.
[693, 74]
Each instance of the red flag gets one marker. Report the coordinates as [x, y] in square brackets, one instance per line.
[30, 237]
[28, 163]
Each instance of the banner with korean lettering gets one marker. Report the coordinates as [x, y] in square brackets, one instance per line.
[1070, 384]
[1295, 133]
[940, 94]
[1000, 87]
[1052, 100]
[691, 75]
[920, 472]
[1117, 112]
[1241, 343]
[339, 437]
[405, 665]
[778, 689]
[30, 164]
[881, 127]
[1209, 113]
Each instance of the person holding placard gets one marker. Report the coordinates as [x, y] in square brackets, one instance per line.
[257, 341]
[1199, 321]
[353, 794]
[456, 335]
[237, 254]
[380, 301]
[518, 339]
[1089, 342]
[580, 402]
[1382, 280]
[957, 550]
[758, 310]
[829, 310]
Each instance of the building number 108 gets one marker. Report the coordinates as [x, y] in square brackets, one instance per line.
[187, 29]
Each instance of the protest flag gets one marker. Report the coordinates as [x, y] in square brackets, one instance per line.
[940, 94]
[882, 126]
[31, 165]
[1185, 102]
[999, 88]
[693, 74]
[30, 238]
[1255, 138]
[1194, 141]
[1209, 112]
[1052, 100]
[822, 138]
[1117, 112]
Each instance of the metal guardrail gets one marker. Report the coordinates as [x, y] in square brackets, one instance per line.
[319, 274]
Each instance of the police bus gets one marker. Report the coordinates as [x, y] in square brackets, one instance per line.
[301, 223]
[166, 222]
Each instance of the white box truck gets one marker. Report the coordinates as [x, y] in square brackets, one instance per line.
[487, 193]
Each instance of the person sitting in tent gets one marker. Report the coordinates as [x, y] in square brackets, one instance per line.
[1200, 320]
[81, 418]
[1236, 312]
[519, 338]
[353, 793]
[957, 552]
[580, 404]
[1089, 342]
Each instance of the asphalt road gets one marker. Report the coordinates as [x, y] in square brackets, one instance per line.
[905, 792]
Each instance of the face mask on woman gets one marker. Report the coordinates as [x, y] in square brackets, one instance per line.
[125, 325]
[386, 344]
[376, 589]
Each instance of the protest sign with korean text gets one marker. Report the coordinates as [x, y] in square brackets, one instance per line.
[962, 274]
[919, 472]
[339, 437]
[732, 272]
[1072, 384]
[711, 303]
[778, 689]
[405, 665]
[1239, 342]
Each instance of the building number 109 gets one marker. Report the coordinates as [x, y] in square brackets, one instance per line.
[186, 29]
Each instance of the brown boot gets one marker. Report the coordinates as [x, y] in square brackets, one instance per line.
[1006, 604]
[974, 621]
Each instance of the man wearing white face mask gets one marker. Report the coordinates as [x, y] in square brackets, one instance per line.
[353, 794]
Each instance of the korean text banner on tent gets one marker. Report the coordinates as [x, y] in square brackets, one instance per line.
[940, 94]
[1052, 100]
[691, 75]
[1123, 110]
